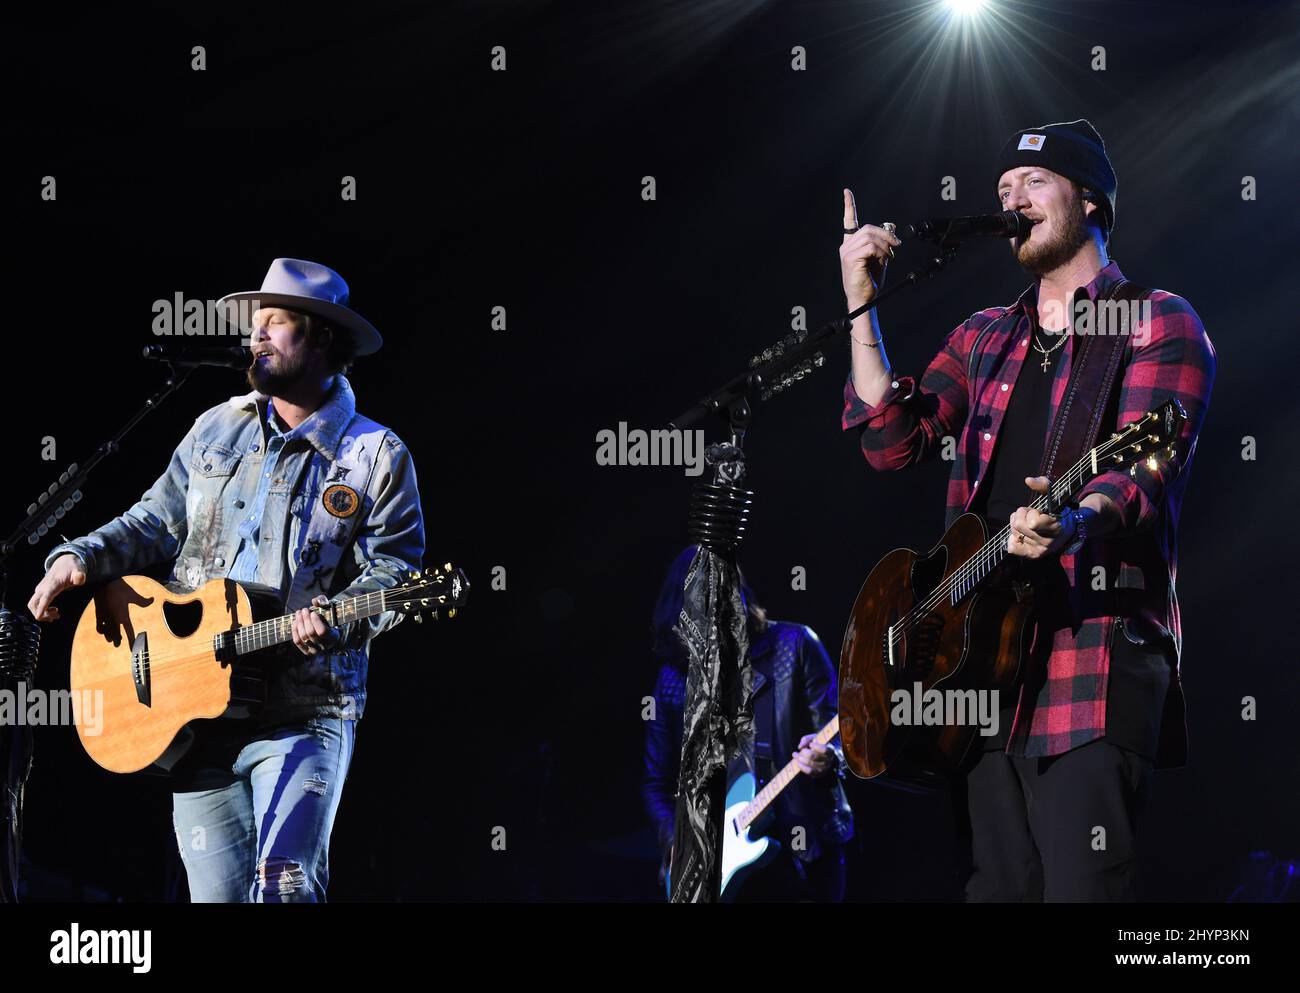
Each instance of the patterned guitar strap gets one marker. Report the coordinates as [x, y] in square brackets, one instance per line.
[1094, 368]
[339, 506]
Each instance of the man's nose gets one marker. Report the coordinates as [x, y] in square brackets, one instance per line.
[259, 333]
[1017, 199]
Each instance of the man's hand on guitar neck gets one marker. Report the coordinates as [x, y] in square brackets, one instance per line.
[813, 757]
[1035, 535]
[65, 571]
[311, 635]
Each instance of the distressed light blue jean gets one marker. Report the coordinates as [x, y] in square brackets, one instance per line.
[253, 817]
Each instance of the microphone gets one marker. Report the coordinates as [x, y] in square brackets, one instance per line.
[1008, 224]
[234, 357]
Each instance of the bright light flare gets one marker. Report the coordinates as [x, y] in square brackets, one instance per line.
[964, 8]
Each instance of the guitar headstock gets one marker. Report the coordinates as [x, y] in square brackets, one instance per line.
[1149, 439]
[436, 592]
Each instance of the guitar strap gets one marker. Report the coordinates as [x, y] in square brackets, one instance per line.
[1093, 371]
[336, 510]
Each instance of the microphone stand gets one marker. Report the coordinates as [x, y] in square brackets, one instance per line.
[719, 511]
[776, 367]
[20, 635]
[66, 492]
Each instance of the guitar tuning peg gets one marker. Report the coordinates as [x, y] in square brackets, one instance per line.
[1133, 470]
[442, 599]
[451, 613]
[424, 602]
[418, 618]
[446, 567]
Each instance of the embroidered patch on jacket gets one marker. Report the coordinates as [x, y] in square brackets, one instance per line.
[340, 500]
[1031, 141]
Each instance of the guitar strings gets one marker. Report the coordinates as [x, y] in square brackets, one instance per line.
[257, 630]
[997, 546]
[984, 559]
[979, 561]
[180, 661]
[753, 809]
[394, 596]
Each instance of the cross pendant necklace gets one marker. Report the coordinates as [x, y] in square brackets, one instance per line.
[1047, 352]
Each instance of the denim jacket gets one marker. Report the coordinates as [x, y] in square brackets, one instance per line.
[191, 517]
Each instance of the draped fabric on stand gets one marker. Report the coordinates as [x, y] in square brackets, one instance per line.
[15, 767]
[718, 719]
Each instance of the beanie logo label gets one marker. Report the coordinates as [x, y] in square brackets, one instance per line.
[1031, 141]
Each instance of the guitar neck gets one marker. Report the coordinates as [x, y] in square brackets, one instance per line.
[994, 552]
[266, 634]
[783, 778]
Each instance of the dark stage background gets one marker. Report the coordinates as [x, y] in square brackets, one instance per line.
[522, 189]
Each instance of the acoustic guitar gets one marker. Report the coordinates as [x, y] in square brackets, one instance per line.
[163, 658]
[956, 616]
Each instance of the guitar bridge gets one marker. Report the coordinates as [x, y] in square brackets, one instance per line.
[140, 669]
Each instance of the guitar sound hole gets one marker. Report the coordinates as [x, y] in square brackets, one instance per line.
[183, 618]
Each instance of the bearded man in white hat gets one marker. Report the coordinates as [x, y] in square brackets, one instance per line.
[289, 490]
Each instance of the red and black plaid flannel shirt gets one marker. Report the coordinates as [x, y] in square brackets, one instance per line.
[1065, 706]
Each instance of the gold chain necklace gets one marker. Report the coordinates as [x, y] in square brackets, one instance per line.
[1046, 352]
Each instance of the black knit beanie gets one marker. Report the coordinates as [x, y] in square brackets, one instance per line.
[1072, 149]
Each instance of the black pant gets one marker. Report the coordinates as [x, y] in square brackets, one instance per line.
[1056, 829]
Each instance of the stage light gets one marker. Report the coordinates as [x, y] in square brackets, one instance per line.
[964, 8]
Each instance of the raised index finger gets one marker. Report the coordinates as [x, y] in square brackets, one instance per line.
[850, 211]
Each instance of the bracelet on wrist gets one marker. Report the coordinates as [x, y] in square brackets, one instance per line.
[1080, 532]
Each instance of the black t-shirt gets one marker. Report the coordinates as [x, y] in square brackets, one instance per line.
[1022, 437]
[1139, 674]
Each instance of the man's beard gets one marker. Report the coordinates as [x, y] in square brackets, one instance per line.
[1063, 247]
[287, 372]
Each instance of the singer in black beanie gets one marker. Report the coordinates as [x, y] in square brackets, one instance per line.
[1074, 150]
[1099, 704]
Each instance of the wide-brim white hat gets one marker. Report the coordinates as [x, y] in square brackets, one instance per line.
[308, 286]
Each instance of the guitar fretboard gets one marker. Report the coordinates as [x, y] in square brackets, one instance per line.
[266, 634]
[782, 779]
[995, 551]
